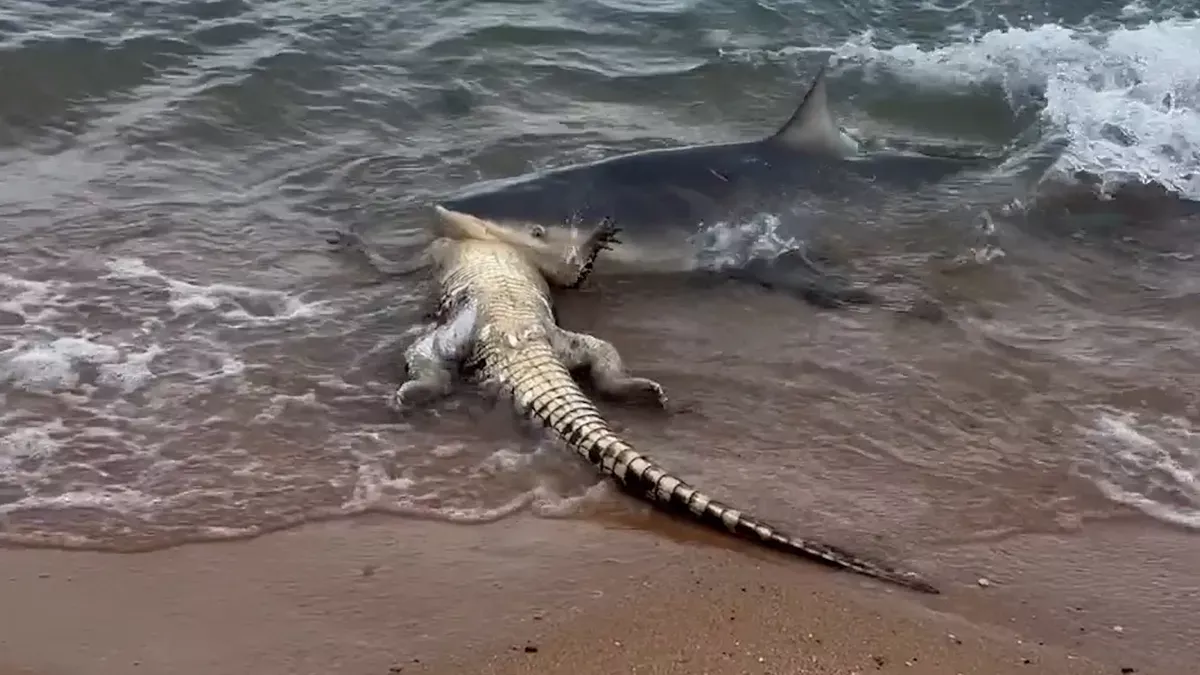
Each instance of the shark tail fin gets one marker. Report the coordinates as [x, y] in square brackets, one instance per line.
[812, 126]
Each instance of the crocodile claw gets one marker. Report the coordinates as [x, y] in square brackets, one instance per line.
[606, 235]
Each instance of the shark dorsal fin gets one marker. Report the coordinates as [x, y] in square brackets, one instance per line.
[812, 127]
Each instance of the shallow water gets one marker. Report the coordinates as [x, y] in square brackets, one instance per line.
[181, 360]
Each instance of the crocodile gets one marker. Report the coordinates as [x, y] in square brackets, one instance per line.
[496, 324]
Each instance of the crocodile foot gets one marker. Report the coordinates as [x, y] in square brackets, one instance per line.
[607, 370]
[601, 239]
[417, 394]
[629, 388]
[430, 362]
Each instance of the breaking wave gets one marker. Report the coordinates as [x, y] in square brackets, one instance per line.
[1125, 94]
[1147, 462]
[188, 411]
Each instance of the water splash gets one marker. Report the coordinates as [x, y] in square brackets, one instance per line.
[1127, 97]
[1151, 463]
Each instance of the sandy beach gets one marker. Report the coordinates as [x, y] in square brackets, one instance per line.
[526, 595]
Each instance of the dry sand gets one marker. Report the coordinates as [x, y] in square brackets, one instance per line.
[527, 595]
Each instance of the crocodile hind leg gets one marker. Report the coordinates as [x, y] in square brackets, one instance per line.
[430, 375]
[434, 359]
[604, 364]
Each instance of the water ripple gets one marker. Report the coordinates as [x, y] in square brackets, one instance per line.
[182, 360]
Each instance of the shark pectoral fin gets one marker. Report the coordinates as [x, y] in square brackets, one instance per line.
[794, 273]
[812, 126]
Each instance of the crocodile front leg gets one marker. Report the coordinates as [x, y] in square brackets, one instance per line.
[601, 239]
[608, 373]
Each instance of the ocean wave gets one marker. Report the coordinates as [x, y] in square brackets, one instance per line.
[140, 409]
[1127, 97]
[1147, 462]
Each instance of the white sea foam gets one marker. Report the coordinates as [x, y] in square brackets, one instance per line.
[27, 443]
[230, 301]
[730, 244]
[549, 504]
[376, 491]
[1127, 98]
[56, 365]
[116, 401]
[1150, 463]
[30, 300]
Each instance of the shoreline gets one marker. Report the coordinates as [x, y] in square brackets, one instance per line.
[381, 595]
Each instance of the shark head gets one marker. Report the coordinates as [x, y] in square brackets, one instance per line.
[562, 253]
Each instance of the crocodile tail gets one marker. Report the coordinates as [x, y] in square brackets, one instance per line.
[544, 390]
[643, 475]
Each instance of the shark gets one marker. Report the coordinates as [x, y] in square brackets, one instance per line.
[662, 198]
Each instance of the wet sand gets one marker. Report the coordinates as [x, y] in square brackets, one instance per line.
[382, 595]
